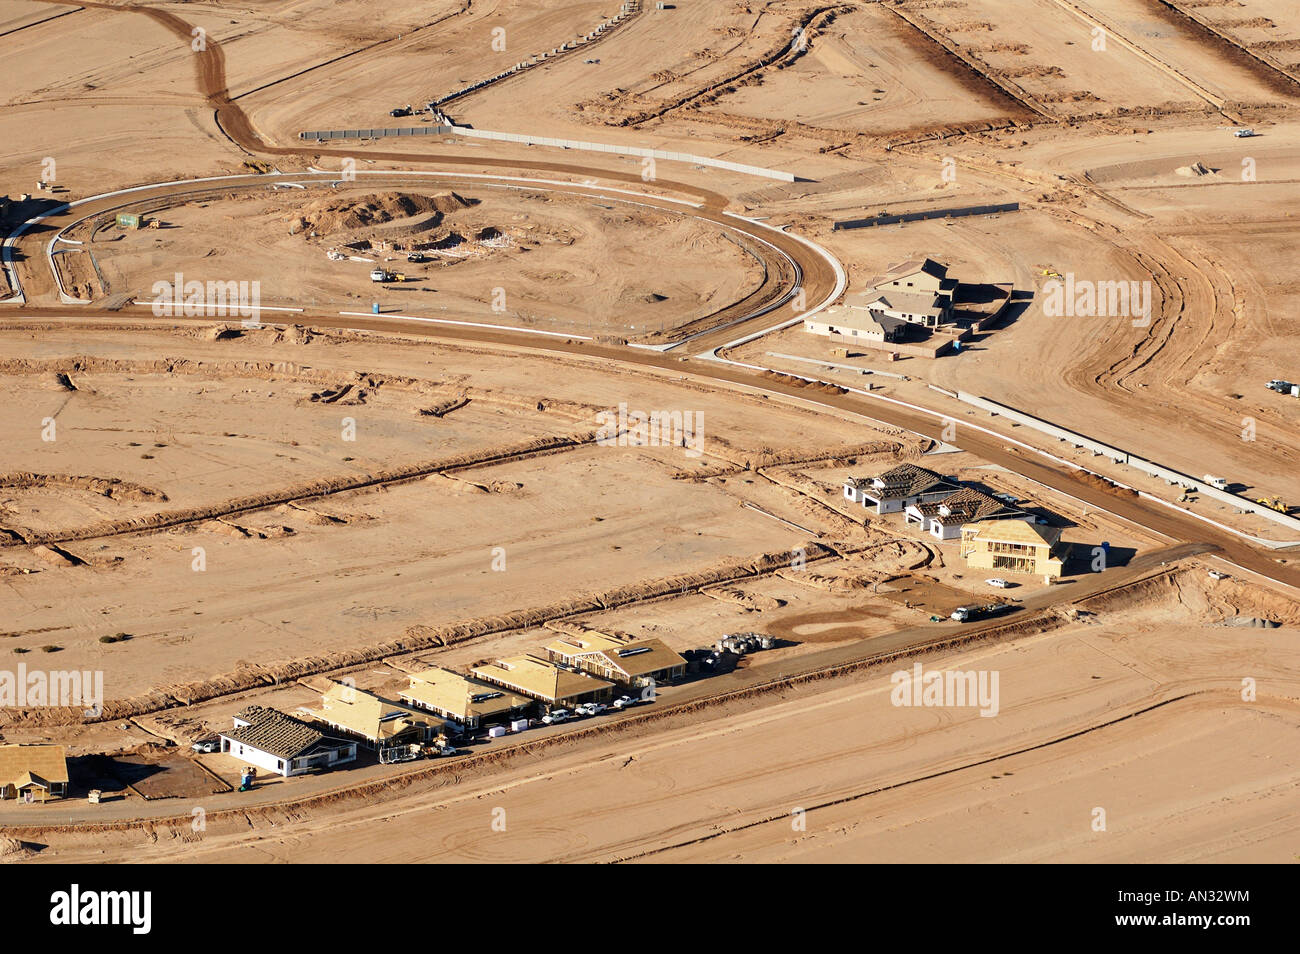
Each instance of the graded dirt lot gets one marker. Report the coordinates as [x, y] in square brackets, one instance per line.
[1097, 716]
[362, 479]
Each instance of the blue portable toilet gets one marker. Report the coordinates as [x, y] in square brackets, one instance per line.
[374, 308]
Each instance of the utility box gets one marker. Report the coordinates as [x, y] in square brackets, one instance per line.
[496, 732]
[518, 725]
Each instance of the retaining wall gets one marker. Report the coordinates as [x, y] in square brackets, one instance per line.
[549, 141]
[895, 219]
[1121, 456]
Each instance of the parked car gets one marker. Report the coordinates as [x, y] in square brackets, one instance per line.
[381, 275]
[1216, 575]
[207, 745]
[1000, 584]
[400, 111]
[623, 702]
[556, 716]
[416, 256]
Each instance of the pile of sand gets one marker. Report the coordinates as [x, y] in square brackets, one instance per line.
[346, 213]
[1195, 170]
[11, 849]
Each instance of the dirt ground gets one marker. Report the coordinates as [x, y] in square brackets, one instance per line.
[214, 515]
[859, 777]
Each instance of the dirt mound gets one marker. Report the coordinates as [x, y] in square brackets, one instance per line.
[343, 214]
[112, 487]
[1196, 170]
[753, 601]
[57, 556]
[1101, 483]
[798, 382]
[826, 582]
[11, 849]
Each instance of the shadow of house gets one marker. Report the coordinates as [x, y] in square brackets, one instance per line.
[1082, 559]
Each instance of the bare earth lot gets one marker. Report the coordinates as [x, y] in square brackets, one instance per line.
[215, 514]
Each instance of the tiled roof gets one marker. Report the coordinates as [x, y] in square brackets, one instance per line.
[967, 506]
[274, 732]
[906, 480]
[912, 303]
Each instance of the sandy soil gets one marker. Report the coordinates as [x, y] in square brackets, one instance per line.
[549, 254]
[874, 780]
[324, 555]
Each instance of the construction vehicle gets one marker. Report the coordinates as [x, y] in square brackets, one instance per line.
[1280, 386]
[1274, 503]
[381, 275]
[401, 111]
[1217, 482]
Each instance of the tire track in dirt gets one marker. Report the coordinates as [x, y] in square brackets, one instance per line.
[781, 57]
[784, 816]
[313, 490]
[234, 123]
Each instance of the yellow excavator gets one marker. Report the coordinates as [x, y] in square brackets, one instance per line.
[1276, 503]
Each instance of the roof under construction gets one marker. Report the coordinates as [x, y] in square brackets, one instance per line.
[628, 655]
[1015, 531]
[25, 764]
[539, 678]
[365, 714]
[460, 696]
[967, 506]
